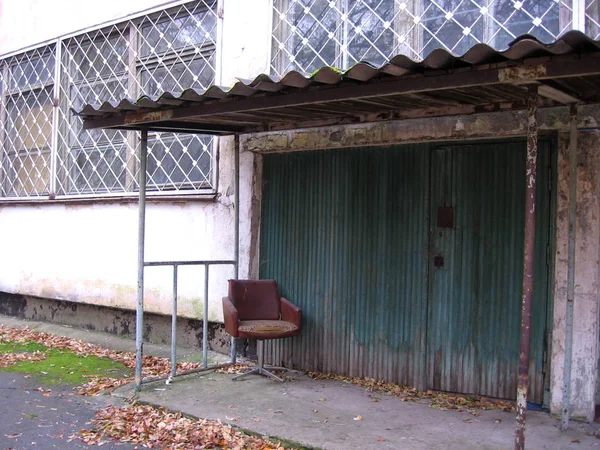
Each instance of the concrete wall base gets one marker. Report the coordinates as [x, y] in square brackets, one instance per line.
[157, 328]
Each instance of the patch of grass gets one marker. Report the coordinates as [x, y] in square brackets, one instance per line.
[62, 366]
[20, 347]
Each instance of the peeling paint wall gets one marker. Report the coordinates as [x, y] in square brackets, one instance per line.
[481, 126]
[587, 277]
[157, 328]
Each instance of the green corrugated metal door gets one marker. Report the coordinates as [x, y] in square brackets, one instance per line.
[351, 236]
[476, 268]
[345, 235]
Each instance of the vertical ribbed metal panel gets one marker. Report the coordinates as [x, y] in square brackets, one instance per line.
[475, 298]
[345, 235]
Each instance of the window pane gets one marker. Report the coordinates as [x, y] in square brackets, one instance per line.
[27, 173]
[99, 58]
[197, 73]
[99, 169]
[451, 24]
[592, 18]
[177, 33]
[80, 95]
[32, 69]
[30, 121]
[179, 159]
[370, 34]
[306, 35]
[539, 18]
[26, 144]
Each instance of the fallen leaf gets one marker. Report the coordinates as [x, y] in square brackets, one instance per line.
[380, 439]
[438, 400]
[13, 436]
[158, 428]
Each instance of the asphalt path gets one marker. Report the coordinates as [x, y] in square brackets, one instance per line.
[40, 417]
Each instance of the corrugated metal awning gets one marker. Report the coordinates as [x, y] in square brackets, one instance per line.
[482, 80]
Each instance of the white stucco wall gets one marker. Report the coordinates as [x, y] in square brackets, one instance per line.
[24, 23]
[88, 252]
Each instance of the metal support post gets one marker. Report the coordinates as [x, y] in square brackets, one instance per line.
[570, 268]
[139, 314]
[528, 264]
[236, 239]
[205, 320]
[174, 326]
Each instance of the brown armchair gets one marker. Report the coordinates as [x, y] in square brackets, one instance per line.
[255, 310]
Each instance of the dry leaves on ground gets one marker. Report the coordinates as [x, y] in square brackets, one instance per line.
[233, 369]
[159, 428]
[438, 400]
[152, 365]
[8, 359]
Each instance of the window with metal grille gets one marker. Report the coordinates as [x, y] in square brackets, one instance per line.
[45, 148]
[26, 113]
[310, 34]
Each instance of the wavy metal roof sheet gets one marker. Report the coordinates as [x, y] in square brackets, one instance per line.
[526, 51]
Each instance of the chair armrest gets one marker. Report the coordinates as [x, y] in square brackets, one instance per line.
[230, 317]
[290, 312]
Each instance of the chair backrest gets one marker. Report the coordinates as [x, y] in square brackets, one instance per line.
[255, 299]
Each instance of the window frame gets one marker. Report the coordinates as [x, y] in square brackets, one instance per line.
[10, 153]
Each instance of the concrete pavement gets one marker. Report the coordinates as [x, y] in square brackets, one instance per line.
[324, 413]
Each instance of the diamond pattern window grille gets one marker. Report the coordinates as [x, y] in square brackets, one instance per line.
[310, 34]
[592, 18]
[26, 84]
[170, 50]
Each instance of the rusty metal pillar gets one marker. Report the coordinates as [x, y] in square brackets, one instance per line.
[528, 264]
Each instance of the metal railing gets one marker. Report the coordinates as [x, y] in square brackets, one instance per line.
[175, 265]
[142, 264]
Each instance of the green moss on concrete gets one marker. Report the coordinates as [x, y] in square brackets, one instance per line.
[20, 347]
[62, 366]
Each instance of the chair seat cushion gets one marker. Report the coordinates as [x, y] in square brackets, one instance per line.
[266, 329]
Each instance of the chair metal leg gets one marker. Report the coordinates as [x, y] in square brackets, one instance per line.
[261, 369]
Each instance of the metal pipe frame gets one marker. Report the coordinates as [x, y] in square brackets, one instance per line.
[570, 269]
[181, 374]
[175, 264]
[142, 264]
[139, 315]
[174, 325]
[236, 239]
[528, 264]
